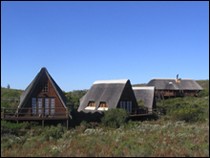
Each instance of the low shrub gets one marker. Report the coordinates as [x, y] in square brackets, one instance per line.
[187, 109]
[203, 93]
[53, 132]
[114, 118]
[14, 128]
[188, 113]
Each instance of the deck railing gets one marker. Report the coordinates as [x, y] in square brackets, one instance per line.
[44, 113]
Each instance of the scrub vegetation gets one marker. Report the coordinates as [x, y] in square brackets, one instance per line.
[182, 129]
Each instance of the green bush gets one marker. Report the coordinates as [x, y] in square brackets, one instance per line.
[53, 132]
[188, 113]
[10, 97]
[205, 85]
[189, 109]
[203, 93]
[14, 128]
[73, 98]
[82, 127]
[114, 118]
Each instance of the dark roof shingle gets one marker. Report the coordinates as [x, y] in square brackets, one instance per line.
[172, 84]
[109, 91]
[146, 94]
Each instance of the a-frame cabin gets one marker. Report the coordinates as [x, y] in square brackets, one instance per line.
[108, 94]
[42, 100]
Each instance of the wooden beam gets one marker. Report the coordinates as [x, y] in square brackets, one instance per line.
[42, 123]
[67, 123]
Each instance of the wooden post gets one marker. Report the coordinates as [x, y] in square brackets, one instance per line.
[67, 117]
[67, 123]
[42, 122]
[66, 112]
[17, 114]
[3, 113]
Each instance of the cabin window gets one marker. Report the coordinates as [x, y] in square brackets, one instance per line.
[91, 105]
[45, 87]
[39, 106]
[103, 104]
[127, 105]
[52, 110]
[46, 106]
[34, 106]
[124, 105]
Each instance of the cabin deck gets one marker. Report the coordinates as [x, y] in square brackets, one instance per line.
[10, 114]
[31, 118]
[134, 115]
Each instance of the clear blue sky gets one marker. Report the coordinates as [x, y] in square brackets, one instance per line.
[81, 42]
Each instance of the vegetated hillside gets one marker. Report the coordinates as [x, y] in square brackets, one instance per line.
[188, 109]
[182, 131]
[140, 139]
[10, 97]
[205, 85]
[73, 98]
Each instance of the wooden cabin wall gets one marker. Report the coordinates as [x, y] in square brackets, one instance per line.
[38, 93]
[128, 95]
[175, 93]
[191, 93]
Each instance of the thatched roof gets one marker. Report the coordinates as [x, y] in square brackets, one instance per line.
[109, 91]
[146, 94]
[32, 86]
[174, 84]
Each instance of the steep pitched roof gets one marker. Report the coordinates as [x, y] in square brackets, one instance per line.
[109, 91]
[146, 94]
[172, 84]
[27, 93]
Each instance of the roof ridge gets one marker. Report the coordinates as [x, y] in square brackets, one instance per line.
[171, 79]
[120, 81]
[145, 87]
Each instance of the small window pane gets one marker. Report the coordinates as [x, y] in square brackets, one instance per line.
[91, 104]
[39, 106]
[124, 105]
[34, 106]
[103, 104]
[45, 87]
[121, 106]
[46, 106]
[52, 110]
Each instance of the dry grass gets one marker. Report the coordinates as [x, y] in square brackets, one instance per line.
[155, 138]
